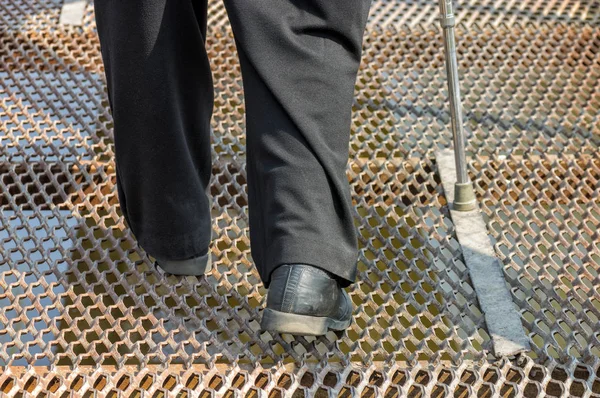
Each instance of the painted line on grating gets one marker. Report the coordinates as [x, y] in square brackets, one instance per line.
[72, 12]
[501, 315]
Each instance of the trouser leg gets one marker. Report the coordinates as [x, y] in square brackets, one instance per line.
[299, 60]
[161, 96]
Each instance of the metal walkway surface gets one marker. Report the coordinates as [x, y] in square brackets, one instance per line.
[83, 310]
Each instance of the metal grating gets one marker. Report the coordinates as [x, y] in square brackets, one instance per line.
[111, 306]
[398, 13]
[83, 310]
[544, 215]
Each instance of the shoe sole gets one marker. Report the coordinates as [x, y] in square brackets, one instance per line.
[195, 266]
[305, 325]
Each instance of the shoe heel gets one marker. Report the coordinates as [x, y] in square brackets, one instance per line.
[284, 322]
[305, 325]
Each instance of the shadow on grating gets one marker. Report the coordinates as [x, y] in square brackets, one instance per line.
[104, 302]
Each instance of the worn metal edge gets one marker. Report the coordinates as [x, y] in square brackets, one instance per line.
[501, 315]
[19, 370]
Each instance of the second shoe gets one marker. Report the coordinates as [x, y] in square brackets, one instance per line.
[305, 300]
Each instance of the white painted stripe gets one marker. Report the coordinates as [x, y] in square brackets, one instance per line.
[495, 300]
[72, 12]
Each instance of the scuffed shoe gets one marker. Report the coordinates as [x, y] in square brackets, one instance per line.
[305, 300]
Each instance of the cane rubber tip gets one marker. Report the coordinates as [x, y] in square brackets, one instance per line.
[464, 197]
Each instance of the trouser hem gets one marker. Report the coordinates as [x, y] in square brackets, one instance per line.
[307, 251]
[175, 247]
[195, 266]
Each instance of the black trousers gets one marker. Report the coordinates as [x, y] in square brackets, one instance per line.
[299, 60]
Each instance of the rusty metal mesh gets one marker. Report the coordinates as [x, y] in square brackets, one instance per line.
[383, 12]
[83, 309]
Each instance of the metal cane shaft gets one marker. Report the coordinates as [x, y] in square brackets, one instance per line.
[447, 22]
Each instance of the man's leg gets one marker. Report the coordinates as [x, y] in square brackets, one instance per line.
[299, 61]
[161, 96]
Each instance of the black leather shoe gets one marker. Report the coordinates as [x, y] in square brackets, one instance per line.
[305, 300]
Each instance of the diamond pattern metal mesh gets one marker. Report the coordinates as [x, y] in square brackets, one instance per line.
[544, 215]
[83, 310]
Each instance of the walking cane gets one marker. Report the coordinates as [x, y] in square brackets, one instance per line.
[464, 196]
